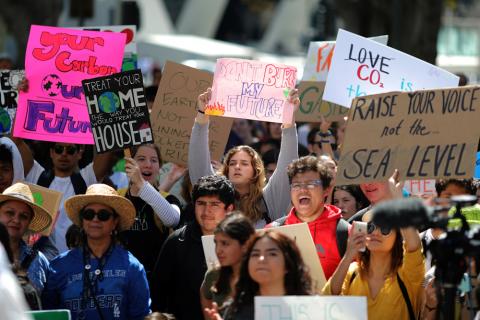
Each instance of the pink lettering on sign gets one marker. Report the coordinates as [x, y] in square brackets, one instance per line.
[56, 61]
[252, 90]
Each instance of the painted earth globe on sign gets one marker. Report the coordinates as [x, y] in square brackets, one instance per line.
[5, 121]
[52, 85]
[108, 102]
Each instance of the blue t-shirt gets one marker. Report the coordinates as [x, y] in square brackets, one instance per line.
[122, 292]
[37, 271]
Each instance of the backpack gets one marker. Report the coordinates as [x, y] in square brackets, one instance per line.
[341, 232]
[31, 294]
[79, 185]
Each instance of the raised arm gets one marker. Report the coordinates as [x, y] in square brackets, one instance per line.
[277, 192]
[198, 149]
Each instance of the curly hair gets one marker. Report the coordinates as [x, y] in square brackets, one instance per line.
[310, 163]
[297, 279]
[248, 204]
[214, 185]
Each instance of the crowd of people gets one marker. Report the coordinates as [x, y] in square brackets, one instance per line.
[124, 250]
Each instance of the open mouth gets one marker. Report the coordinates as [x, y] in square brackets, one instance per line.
[303, 200]
[147, 175]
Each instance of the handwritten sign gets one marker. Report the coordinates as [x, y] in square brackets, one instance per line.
[130, 56]
[49, 200]
[477, 166]
[174, 112]
[118, 111]
[255, 90]
[362, 67]
[9, 80]
[310, 307]
[319, 58]
[427, 134]
[313, 107]
[56, 62]
[421, 187]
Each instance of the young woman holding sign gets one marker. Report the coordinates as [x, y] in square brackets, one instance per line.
[244, 168]
[273, 267]
[154, 214]
[390, 268]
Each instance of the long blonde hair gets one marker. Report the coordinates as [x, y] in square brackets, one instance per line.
[249, 202]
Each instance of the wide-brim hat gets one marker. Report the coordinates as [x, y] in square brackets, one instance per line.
[106, 195]
[21, 192]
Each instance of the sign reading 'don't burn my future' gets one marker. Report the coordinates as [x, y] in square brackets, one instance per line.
[426, 134]
[118, 111]
[255, 90]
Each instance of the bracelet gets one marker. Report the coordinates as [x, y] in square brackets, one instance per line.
[202, 112]
[325, 135]
[324, 141]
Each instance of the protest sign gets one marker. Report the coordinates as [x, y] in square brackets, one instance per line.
[255, 90]
[310, 307]
[477, 166]
[301, 235]
[208, 245]
[9, 80]
[174, 112]
[424, 187]
[362, 67]
[312, 107]
[118, 111]
[56, 61]
[319, 58]
[130, 57]
[49, 200]
[427, 134]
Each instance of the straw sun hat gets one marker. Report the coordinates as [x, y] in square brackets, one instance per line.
[21, 192]
[102, 194]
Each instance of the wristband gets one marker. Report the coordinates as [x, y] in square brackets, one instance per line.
[324, 141]
[202, 112]
[325, 135]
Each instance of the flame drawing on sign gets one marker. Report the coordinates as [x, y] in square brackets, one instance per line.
[215, 109]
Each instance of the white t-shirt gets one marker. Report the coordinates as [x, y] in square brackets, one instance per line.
[65, 186]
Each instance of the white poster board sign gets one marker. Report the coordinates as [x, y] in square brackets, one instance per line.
[362, 67]
[310, 307]
[319, 58]
[421, 187]
[208, 244]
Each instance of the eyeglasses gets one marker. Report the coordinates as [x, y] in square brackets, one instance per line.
[310, 185]
[383, 230]
[102, 214]
[71, 150]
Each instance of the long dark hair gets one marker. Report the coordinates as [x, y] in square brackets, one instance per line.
[238, 227]
[297, 279]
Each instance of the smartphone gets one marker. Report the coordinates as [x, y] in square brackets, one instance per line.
[360, 227]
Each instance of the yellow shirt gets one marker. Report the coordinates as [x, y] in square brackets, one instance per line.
[389, 302]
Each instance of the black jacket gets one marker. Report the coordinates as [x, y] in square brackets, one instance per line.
[179, 273]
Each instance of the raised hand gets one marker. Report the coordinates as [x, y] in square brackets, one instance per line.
[134, 175]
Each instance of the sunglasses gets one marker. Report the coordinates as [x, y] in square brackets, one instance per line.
[102, 214]
[383, 230]
[71, 150]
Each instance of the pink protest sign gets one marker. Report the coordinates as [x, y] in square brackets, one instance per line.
[56, 62]
[254, 90]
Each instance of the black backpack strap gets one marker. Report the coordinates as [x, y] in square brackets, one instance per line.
[79, 185]
[342, 236]
[27, 261]
[354, 274]
[264, 209]
[411, 314]
[46, 178]
[279, 222]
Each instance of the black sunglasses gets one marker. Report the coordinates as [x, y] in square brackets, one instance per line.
[102, 214]
[71, 150]
[383, 230]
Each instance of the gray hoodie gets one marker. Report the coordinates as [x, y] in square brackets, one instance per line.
[18, 172]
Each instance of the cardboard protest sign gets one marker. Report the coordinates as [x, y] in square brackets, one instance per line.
[319, 58]
[427, 134]
[56, 61]
[362, 67]
[118, 111]
[302, 237]
[421, 187]
[49, 200]
[130, 56]
[174, 112]
[312, 107]
[9, 80]
[255, 90]
[310, 307]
